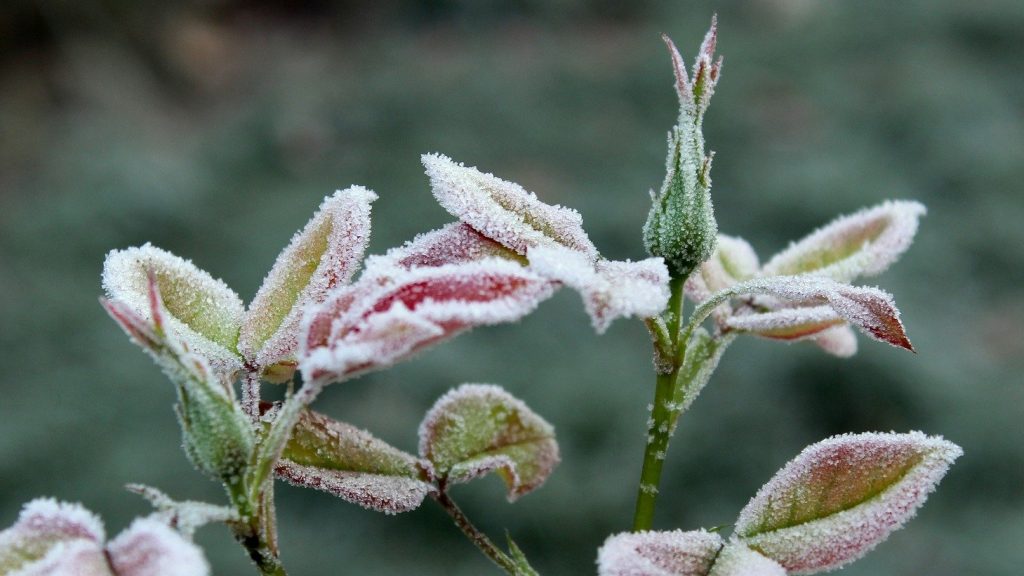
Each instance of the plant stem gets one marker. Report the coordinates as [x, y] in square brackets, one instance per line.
[478, 538]
[660, 423]
[250, 531]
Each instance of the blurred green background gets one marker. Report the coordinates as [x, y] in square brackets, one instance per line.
[214, 128]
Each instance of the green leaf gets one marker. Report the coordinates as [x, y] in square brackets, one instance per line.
[843, 496]
[352, 464]
[477, 429]
[519, 561]
[700, 361]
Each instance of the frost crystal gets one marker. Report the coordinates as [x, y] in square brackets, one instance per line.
[387, 494]
[53, 538]
[321, 256]
[735, 559]
[204, 313]
[841, 497]
[674, 553]
[479, 428]
[391, 313]
[504, 211]
[455, 243]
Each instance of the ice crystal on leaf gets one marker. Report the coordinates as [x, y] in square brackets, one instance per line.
[184, 516]
[321, 256]
[54, 538]
[736, 559]
[551, 238]
[352, 464]
[391, 313]
[841, 497]
[678, 553]
[478, 428]
[455, 243]
[202, 312]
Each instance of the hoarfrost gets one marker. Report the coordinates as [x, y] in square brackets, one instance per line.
[203, 312]
[504, 211]
[150, 548]
[73, 557]
[609, 289]
[796, 323]
[674, 553]
[455, 243]
[383, 493]
[843, 496]
[479, 428]
[321, 256]
[736, 559]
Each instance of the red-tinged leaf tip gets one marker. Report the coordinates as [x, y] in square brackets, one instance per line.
[843, 496]
[674, 553]
[876, 314]
[479, 428]
[707, 47]
[137, 328]
[150, 548]
[679, 70]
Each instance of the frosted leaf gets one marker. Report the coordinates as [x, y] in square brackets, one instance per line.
[674, 553]
[42, 525]
[479, 428]
[795, 323]
[843, 496]
[733, 260]
[860, 244]
[736, 559]
[352, 464]
[869, 309]
[379, 492]
[455, 243]
[68, 558]
[184, 516]
[504, 211]
[838, 341]
[324, 254]
[202, 312]
[391, 313]
[151, 548]
[610, 289]
[702, 357]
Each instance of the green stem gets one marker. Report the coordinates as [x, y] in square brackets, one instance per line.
[478, 538]
[660, 423]
[251, 533]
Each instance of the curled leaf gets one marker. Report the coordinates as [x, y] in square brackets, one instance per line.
[736, 559]
[796, 323]
[321, 256]
[610, 289]
[504, 211]
[352, 464]
[202, 312]
[44, 525]
[477, 429]
[674, 553]
[863, 243]
[838, 341]
[392, 313]
[843, 496]
[455, 243]
[733, 260]
[869, 309]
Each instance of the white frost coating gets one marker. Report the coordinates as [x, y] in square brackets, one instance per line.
[203, 312]
[838, 341]
[186, 515]
[46, 519]
[68, 558]
[383, 493]
[733, 260]
[392, 312]
[452, 244]
[735, 559]
[843, 496]
[150, 548]
[674, 553]
[324, 254]
[860, 244]
[797, 323]
[609, 289]
[504, 211]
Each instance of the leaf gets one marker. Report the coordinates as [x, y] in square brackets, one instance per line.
[674, 553]
[610, 289]
[869, 309]
[838, 341]
[736, 559]
[504, 211]
[51, 533]
[202, 312]
[323, 255]
[733, 260]
[797, 323]
[843, 496]
[392, 313]
[455, 243]
[352, 464]
[519, 560]
[699, 363]
[150, 548]
[860, 244]
[185, 516]
[478, 428]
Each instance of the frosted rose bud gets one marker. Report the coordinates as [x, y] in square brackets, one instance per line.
[681, 226]
[843, 496]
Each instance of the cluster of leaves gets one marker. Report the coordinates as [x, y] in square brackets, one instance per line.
[315, 322]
